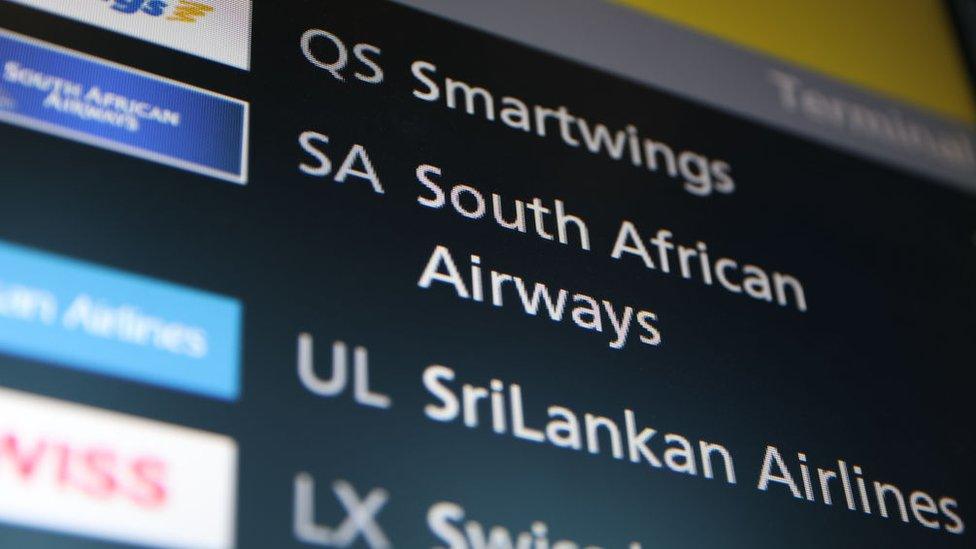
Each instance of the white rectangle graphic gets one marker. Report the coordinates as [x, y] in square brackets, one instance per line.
[83, 470]
[219, 30]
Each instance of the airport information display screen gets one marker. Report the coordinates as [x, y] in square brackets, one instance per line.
[370, 274]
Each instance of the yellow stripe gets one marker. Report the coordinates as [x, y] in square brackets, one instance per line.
[905, 49]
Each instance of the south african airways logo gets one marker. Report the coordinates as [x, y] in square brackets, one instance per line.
[182, 11]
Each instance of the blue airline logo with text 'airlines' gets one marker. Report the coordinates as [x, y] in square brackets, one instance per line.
[97, 319]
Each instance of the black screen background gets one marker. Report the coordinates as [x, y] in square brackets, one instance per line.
[875, 372]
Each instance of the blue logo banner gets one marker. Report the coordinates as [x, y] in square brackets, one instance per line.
[55, 90]
[102, 320]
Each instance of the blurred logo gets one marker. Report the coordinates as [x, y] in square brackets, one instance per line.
[181, 11]
[91, 318]
[79, 97]
[219, 30]
[89, 102]
[78, 469]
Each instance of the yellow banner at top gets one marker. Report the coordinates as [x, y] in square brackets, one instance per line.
[905, 49]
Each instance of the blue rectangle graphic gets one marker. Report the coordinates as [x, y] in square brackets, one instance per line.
[107, 321]
[66, 93]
